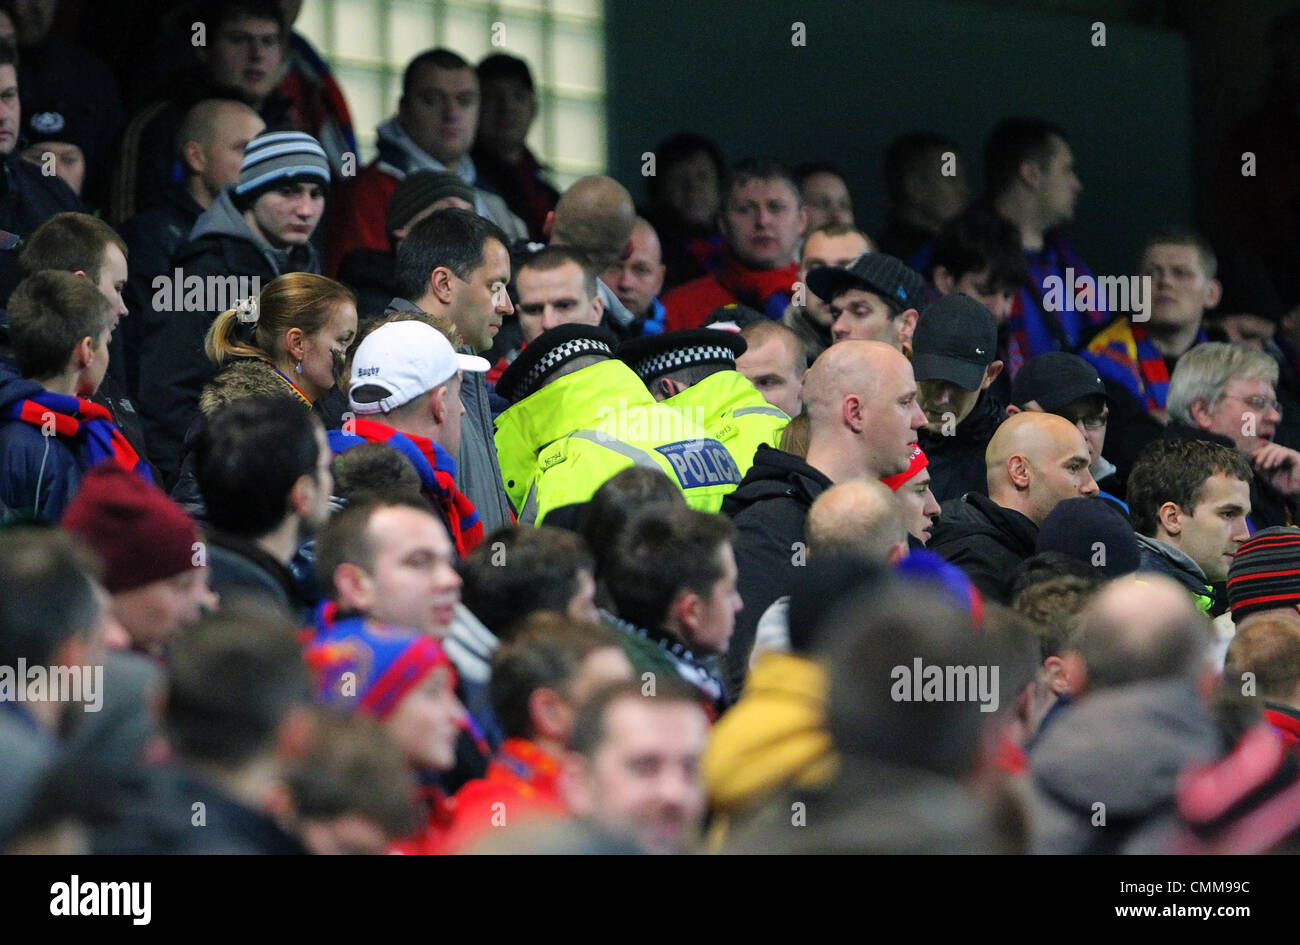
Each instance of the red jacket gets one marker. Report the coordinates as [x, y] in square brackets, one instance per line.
[1286, 723]
[357, 216]
[522, 783]
[766, 290]
[431, 839]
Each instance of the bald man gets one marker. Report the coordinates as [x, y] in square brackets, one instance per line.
[638, 278]
[1138, 720]
[1033, 462]
[595, 216]
[860, 398]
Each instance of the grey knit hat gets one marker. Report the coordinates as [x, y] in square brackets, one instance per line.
[276, 157]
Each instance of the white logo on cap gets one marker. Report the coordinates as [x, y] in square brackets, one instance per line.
[979, 350]
[48, 123]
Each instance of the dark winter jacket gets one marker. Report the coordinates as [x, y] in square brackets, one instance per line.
[957, 461]
[27, 199]
[372, 275]
[39, 474]
[768, 508]
[240, 568]
[223, 252]
[479, 471]
[1172, 563]
[986, 541]
[1122, 748]
[152, 237]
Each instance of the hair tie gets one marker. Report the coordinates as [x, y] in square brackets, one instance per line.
[247, 310]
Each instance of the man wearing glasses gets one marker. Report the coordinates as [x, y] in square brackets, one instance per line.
[1066, 385]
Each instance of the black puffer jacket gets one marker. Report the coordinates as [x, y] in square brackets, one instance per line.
[957, 461]
[27, 199]
[986, 541]
[769, 508]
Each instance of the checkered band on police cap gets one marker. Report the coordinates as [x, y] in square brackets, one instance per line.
[548, 353]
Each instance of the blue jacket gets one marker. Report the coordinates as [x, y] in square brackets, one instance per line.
[39, 474]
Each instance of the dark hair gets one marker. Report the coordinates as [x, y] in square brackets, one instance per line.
[504, 66]
[1175, 470]
[904, 153]
[69, 242]
[978, 240]
[248, 457]
[1010, 144]
[556, 257]
[1053, 604]
[439, 58]
[546, 653]
[8, 50]
[217, 13]
[682, 147]
[49, 314]
[451, 238]
[47, 594]
[515, 572]
[353, 769]
[373, 470]
[589, 726]
[231, 680]
[662, 552]
[344, 538]
[619, 499]
[760, 169]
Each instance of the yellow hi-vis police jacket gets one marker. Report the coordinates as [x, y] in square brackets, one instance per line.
[558, 446]
[733, 412]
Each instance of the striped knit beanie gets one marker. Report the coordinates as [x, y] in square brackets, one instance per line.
[368, 667]
[1265, 572]
[278, 157]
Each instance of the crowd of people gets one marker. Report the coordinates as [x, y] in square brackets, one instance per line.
[428, 509]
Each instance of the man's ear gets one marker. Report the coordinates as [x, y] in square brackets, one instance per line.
[803, 218]
[943, 280]
[1030, 174]
[356, 588]
[440, 284]
[906, 325]
[1018, 471]
[1200, 414]
[575, 785]
[83, 355]
[546, 710]
[990, 375]
[1170, 518]
[548, 224]
[1213, 293]
[1012, 410]
[303, 494]
[684, 612]
[598, 307]
[193, 156]
[666, 387]
[852, 413]
[437, 403]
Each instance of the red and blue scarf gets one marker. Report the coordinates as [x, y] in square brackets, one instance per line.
[81, 423]
[1034, 330]
[437, 472]
[1143, 367]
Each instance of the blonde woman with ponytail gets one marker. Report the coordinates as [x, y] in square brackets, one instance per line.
[299, 327]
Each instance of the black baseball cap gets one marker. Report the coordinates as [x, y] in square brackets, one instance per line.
[1054, 379]
[889, 277]
[956, 339]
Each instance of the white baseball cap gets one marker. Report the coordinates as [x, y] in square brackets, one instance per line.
[406, 359]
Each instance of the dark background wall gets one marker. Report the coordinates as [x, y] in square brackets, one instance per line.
[871, 71]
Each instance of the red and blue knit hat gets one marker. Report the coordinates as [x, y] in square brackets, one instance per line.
[914, 466]
[371, 667]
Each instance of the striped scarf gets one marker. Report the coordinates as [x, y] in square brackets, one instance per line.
[437, 472]
[82, 423]
[1130, 347]
[1034, 330]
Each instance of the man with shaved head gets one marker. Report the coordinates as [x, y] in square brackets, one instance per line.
[860, 398]
[1104, 773]
[595, 217]
[1033, 461]
[638, 278]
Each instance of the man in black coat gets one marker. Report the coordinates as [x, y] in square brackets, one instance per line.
[253, 232]
[863, 415]
[954, 357]
[1034, 461]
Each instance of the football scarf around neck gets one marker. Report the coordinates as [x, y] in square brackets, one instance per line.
[82, 423]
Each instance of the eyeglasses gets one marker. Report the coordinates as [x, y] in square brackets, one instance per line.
[1093, 421]
[1259, 403]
